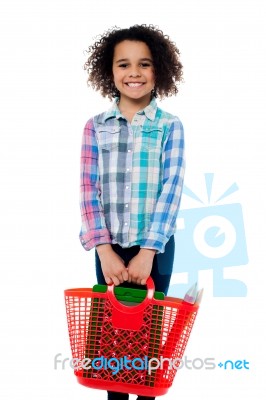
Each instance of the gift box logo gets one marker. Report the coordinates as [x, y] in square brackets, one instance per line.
[210, 237]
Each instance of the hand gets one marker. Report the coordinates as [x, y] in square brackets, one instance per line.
[113, 267]
[140, 266]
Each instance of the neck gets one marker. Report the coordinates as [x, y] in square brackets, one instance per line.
[131, 106]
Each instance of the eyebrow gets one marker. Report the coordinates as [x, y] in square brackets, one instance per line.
[126, 59]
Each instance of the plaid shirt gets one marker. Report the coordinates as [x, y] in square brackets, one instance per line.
[131, 178]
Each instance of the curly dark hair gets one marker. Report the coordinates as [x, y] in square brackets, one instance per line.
[165, 54]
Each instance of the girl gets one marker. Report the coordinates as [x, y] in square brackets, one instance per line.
[132, 162]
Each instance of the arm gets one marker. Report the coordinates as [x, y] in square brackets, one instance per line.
[163, 219]
[93, 231]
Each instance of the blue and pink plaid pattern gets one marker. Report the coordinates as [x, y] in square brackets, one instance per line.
[131, 178]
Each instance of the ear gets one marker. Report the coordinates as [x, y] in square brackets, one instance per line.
[154, 92]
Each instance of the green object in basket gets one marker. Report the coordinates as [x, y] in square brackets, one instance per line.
[128, 296]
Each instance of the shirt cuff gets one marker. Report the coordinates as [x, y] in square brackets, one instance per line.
[93, 238]
[154, 241]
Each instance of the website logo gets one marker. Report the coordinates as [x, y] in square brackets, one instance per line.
[149, 364]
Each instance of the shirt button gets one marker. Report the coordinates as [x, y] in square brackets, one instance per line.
[127, 169]
[126, 205]
[129, 151]
[127, 187]
[125, 223]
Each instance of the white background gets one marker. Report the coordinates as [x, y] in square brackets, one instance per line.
[45, 104]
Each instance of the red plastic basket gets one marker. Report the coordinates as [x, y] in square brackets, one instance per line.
[122, 340]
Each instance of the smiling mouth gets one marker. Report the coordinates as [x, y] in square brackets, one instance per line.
[134, 84]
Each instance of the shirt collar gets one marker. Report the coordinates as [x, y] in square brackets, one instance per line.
[114, 111]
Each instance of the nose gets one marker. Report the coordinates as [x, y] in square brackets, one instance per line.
[134, 72]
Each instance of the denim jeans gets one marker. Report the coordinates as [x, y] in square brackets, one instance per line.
[124, 396]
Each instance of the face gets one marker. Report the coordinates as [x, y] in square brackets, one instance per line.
[133, 72]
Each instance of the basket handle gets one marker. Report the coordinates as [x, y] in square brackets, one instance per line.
[132, 309]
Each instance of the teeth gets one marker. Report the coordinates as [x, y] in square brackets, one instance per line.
[134, 84]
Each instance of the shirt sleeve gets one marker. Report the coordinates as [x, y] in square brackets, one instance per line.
[163, 219]
[93, 229]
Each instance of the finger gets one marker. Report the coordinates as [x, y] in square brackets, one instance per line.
[108, 280]
[125, 275]
[135, 281]
[120, 278]
[143, 281]
[129, 278]
[115, 280]
[132, 279]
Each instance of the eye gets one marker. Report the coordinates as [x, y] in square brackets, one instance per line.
[145, 64]
[123, 65]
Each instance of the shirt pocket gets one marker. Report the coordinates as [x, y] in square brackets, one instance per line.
[108, 137]
[149, 139]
